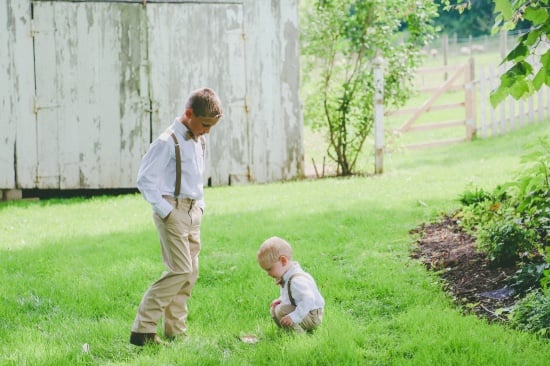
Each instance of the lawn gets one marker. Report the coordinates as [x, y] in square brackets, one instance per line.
[73, 272]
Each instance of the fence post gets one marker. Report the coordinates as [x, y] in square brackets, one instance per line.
[445, 46]
[470, 100]
[378, 115]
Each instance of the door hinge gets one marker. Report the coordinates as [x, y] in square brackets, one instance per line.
[37, 106]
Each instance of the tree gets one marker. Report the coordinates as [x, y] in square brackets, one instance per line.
[476, 21]
[340, 40]
[521, 79]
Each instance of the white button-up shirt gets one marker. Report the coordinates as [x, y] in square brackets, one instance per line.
[304, 292]
[157, 172]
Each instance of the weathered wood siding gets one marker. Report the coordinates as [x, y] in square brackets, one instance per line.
[86, 86]
[208, 51]
[16, 95]
[91, 93]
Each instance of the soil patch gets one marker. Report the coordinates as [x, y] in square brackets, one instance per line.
[475, 284]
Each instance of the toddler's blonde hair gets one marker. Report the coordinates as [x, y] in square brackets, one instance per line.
[271, 250]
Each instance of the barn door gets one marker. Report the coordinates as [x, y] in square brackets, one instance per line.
[192, 45]
[91, 92]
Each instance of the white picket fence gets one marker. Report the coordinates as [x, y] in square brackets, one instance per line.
[510, 114]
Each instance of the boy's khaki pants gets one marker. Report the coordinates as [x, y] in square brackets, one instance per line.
[179, 235]
[311, 321]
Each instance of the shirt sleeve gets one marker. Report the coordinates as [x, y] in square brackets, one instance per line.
[304, 296]
[150, 175]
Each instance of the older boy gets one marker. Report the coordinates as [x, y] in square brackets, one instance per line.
[170, 178]
[300, 305]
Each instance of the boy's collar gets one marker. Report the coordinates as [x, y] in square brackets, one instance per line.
[292, 267]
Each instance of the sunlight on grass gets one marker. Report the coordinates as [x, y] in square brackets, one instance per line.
[73, 272]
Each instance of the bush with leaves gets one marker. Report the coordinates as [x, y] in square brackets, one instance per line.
[479, 208]
[532, 313]
[506, 241]
[513, 222]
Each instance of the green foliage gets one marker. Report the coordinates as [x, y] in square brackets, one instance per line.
[532, 313]
[340, 41]
[528, 277]
[513, 222]
[532, 189]
[505, 241]
[521, 79]
[475, 197]
[475, 20]
[480, 208]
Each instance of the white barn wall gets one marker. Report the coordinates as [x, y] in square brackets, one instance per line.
[211, 55]
[275, 117]
[16, 94]
[93, 125]
[111, 75]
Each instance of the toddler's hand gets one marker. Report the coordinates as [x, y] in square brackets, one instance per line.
[275, 302]
[287, 321]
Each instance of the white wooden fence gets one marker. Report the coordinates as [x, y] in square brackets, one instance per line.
[510, 114]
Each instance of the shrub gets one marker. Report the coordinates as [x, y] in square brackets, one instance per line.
[472, 197]
[529, 277]
[506, 241]
[532, 313]
[513, 221]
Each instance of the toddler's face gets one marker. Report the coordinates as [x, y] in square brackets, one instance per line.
[275, 270]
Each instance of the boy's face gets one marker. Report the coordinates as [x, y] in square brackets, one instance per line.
[200, 125]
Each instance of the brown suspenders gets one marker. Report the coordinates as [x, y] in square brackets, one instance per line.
[178, 162]
[178, 167]
[289, 292]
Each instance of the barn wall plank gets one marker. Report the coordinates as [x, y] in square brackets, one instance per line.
[16, 96]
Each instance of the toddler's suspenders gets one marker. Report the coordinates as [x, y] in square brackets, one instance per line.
[289, 282]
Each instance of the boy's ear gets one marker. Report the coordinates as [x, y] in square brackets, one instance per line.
[284, 260]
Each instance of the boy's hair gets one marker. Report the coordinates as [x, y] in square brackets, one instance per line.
[271, 250]
[205, 103]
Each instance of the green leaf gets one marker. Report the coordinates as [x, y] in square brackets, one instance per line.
[520, 70]
[505, 8]
[536, 16]
[519, 53]
[532, 36]
[498, 95]
[540, 78]
[545, 59]
[519, 89]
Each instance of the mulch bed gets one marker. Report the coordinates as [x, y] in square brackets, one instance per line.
[475, 284]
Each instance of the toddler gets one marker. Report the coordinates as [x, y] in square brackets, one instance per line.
[300, 305]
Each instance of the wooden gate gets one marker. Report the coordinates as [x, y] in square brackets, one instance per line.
[452, 77]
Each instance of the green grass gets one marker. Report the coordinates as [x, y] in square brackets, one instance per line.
[73, 272]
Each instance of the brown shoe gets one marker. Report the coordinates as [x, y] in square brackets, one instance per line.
[140, 339]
